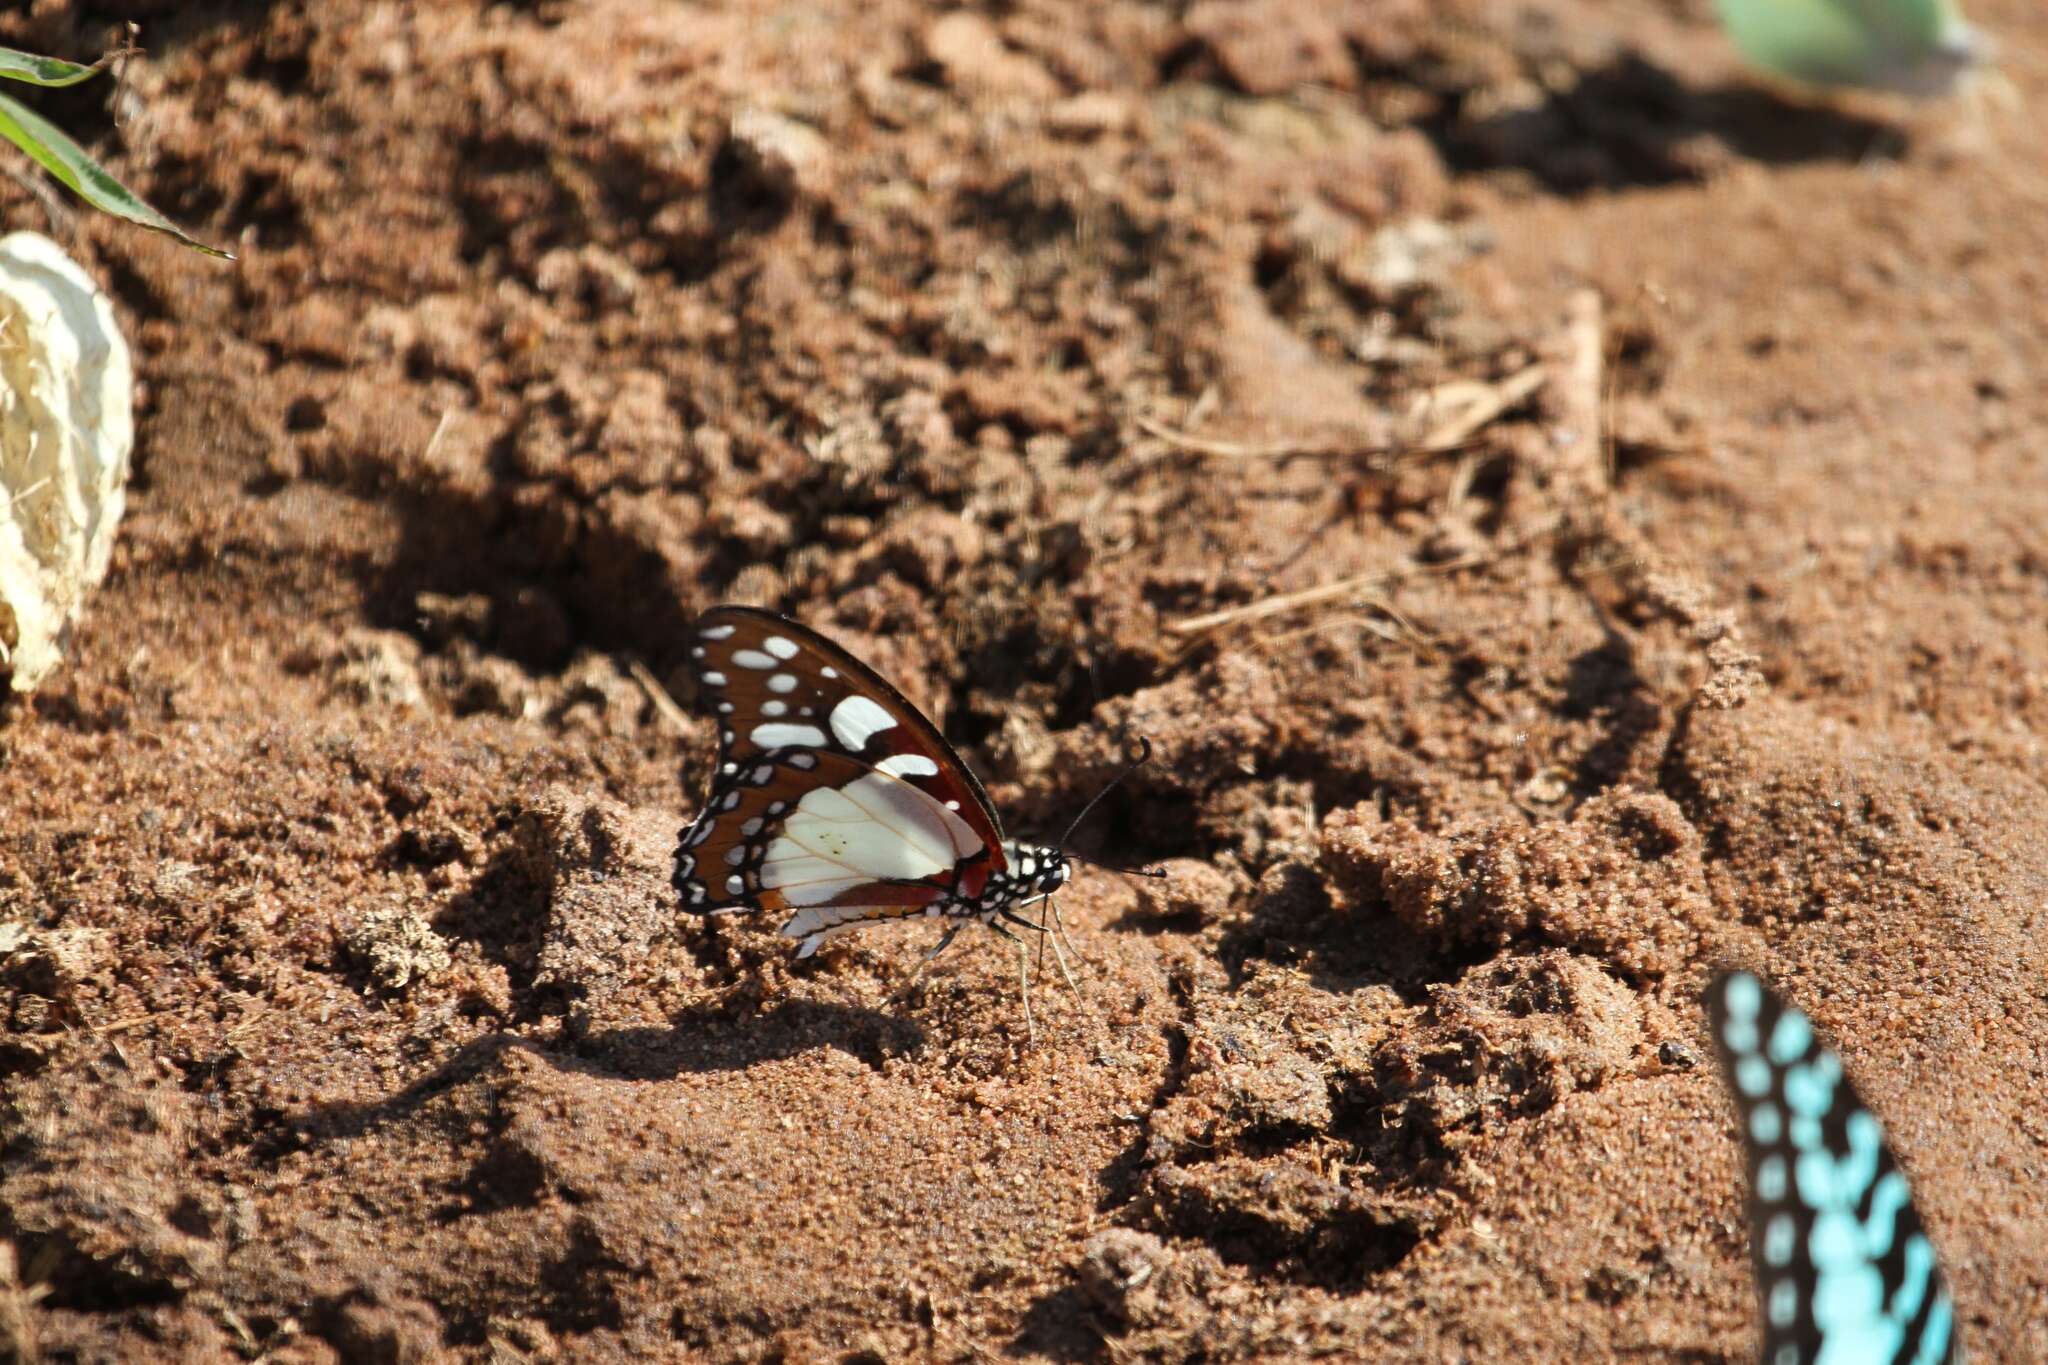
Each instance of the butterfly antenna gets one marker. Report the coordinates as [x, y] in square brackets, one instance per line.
[1156, 873]
[1144, 757]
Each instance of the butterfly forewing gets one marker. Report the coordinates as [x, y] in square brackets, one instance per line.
[1844, 1270]
[775, 684]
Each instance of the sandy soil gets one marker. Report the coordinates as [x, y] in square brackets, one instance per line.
[1666, 452]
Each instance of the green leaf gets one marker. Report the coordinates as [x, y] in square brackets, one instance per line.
[27, 66]
[54, 150]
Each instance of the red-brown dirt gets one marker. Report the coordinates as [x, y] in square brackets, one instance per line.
[346, 1012]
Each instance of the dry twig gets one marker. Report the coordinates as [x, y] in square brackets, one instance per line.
[1581, 396]
[1475, 403]
[1482, 403]
[664, 704]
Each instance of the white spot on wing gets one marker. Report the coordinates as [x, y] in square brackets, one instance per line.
[829, 672]
[773, 708]
[782, 682]
[716, 632]
[734, 886]
[856, 719]
[782, 734]
[753, 658]
[779, 647]
[911, 765]
[714, 678]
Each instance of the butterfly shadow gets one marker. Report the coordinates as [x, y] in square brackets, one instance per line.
[716, 1037]
[710, 1039]
[1633, 123]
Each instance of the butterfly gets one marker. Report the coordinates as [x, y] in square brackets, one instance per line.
[835, 803]
[1912, 47]
[1844, 1271]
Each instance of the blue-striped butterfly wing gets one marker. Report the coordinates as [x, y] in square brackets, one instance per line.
[1844, 1270]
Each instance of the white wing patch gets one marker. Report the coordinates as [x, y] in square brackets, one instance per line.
[857, 718]
[875, 828]
[816, 925]
[782, 734]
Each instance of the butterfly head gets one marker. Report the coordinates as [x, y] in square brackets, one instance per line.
[1034, 870]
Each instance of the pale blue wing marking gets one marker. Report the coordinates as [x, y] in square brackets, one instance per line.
[1845, 1275]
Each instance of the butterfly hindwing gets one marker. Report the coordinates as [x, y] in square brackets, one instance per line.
[802, 827]
[1844, 1270]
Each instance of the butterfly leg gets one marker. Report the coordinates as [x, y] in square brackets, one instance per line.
[1023, 980]
[945, 940]
[1052, 914]
[1052, 917]
[1024, 991]
[903, 992]
[1042, 937]
[1059, 925]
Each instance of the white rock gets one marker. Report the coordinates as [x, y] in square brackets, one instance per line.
[67, 428]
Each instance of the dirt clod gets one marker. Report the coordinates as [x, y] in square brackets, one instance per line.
[396, 945]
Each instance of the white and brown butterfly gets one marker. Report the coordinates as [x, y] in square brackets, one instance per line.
[835, 803]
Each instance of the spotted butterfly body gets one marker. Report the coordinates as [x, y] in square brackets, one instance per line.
[1844, 1271]
[835, 802]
